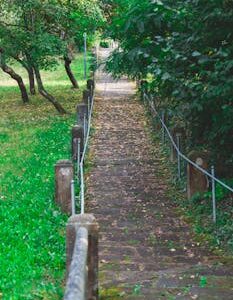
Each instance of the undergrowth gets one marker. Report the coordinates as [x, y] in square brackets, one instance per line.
[198, 210]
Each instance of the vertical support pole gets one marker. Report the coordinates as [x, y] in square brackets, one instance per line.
[87, 221]
[97, 54]
[73, 197]
[178, 156]
[163, 129]
[144, 89]
[213, 194]
[82, 189]
[85, 55]
[177, 131]
[64, 173]
[144, 98]
[89, 106]
[85, 127]
[79, 157]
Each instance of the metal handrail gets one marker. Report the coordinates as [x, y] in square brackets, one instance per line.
[81, 165]
[180, 153]
[80, 160]
[86, 139]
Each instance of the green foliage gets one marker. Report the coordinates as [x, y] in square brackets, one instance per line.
[185, 49]
[203, 281]
[38, 33]
[104, 44]
[137, 289]
[30, 31]
[80, 17]
[201, 211]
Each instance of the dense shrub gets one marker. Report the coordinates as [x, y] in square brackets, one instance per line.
[185, 49]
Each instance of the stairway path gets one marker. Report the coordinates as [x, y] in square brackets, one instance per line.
[147, 251]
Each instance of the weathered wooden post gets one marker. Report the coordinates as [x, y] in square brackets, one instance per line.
[86, 97]
[91, 85]
[82, 112]
[77, 143]
[64, 173]
[87, 221]
[197, 182]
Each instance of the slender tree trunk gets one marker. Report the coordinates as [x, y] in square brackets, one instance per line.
[69, 72]
[31, 75]
[45, 94]
[31, 78]
[16, 77]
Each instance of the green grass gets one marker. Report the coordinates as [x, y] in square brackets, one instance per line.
[32, 228]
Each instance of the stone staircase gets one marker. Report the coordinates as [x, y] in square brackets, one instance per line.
[147, 250]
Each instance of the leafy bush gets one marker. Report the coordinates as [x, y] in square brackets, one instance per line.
[185, 48]
[104, 44]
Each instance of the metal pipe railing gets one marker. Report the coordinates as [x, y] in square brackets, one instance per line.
[180, 155]
[81, 165]
[81, 157]
[73, 197]
[185, 157]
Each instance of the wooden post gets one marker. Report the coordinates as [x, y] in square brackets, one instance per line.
[82, 110]
[197, 182]
[77, 135]
[87, 221]
[86, 95]
[64, 173]
[91, 85]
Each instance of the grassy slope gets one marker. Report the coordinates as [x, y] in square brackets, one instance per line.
[32, 229]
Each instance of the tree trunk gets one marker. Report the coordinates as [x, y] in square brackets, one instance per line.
[16, 77]
[31, 78]
[45, 94]
[70, 73]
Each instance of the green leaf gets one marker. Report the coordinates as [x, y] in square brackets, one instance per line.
[166, 76]
[196, 53]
